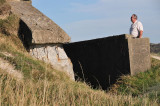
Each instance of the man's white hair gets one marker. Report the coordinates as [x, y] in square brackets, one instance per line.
[135, 16]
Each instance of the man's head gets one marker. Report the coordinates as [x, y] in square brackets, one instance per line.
[134, 18]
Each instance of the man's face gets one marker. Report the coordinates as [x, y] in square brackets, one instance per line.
[133, 19]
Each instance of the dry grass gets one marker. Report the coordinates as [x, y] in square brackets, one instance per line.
[42, 85]
[146, 83]
[56, 93]
[2, 2]
[10, 25]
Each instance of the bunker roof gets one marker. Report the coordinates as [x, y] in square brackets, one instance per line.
[43, 29]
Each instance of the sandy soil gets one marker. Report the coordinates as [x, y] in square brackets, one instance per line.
[155, 57]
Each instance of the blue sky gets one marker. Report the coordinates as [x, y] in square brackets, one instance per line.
[90, 19]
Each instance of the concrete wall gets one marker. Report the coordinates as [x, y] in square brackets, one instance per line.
[52, 53]
[100, 62]
[43, 29]
[139, 54]
[55, 55]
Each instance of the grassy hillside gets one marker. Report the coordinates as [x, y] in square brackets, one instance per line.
[42, 85]
[146, 83]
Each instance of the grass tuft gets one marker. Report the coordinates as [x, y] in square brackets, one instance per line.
[44, 92]
[140, 84]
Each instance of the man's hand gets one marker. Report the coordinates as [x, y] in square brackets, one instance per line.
[140, 34]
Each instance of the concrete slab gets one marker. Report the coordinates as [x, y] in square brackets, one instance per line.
[100, 62]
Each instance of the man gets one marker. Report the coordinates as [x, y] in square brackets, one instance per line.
[136, 28]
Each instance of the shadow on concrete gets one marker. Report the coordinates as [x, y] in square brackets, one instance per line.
[25, 34]
[99, 62]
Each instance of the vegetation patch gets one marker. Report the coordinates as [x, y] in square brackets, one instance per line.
[140, 84]
[10, 25]
[2, 2]
[31, 68]
[42, 85]
[155, 48]
[59, 92]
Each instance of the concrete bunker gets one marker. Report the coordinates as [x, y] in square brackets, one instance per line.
[42, 37]
[100, 62]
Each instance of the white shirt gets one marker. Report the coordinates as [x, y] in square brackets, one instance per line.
[136, 28]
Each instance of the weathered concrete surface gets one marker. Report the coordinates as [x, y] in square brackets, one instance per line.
[43, 30]
[139, 55]
[55, 55]
[100, 62]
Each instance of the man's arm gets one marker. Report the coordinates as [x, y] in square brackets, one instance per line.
[140, 29]
[140, 33]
